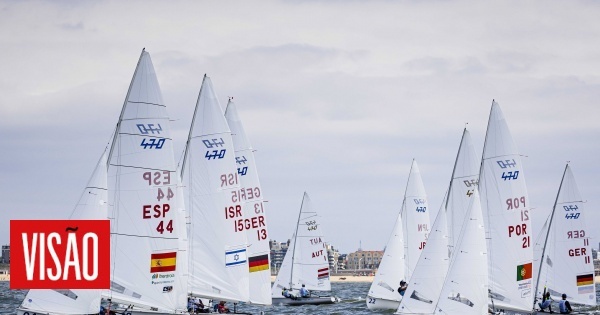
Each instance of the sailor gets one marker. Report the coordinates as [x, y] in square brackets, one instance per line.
[546, 302]
[222, 308]
[564, 306]
[304, 292]
[191, 305]
[403, 287]
[286, 293]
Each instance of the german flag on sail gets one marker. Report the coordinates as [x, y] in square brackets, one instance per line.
[585, 279]
[258, 263]
[323, 273]
[524, 272]
[163, 262]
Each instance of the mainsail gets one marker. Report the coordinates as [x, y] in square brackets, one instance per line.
[465, 290]
[91, 206]
[390, 272]
[415, 216]
[567, 265]
[253, 210]
[505, 205]
[307, 263]
[214, 199]
[145, 228]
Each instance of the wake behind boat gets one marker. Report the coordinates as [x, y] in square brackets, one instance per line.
[305, 264]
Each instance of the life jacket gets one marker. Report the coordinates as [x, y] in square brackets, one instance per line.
[562, 306]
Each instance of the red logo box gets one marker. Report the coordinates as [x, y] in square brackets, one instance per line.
[60, 254]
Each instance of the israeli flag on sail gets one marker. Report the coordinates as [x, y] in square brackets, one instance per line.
[235, 257]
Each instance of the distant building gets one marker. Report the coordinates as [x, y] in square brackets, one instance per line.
[5, 254]
[342, 261]
[594, 253]
[278, 251]
[332, 256]
[597, 267]
[364, 259]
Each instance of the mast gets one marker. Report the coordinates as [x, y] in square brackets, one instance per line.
[295, 238]
[486, 231]
[537, 282]
[404, 220]
[187, 143]
[454, 168]
[118, 127]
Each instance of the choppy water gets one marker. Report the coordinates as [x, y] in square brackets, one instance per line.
[352, 294]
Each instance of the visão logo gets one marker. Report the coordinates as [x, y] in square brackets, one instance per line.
[60, 254]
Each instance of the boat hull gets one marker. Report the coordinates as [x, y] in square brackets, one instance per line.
[25, 311]
[374, 303]
[313, 300]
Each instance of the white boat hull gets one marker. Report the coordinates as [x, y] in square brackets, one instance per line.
[313, 300]
[25, 311]
[381, 304]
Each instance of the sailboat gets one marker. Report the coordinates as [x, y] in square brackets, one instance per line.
[425, 285]
[506, 205]
[254, 211]
[411, 230]
[218, 239]
[305, 262]
[91, 206]
[566, 264]
[146, 228]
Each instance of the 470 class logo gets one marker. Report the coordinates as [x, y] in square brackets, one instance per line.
[60, 254]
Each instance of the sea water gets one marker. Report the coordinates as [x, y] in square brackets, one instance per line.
[352, 294]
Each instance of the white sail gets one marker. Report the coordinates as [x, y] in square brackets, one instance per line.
[505, 204]
[309, 264]
[465, 290]
[253, 210]
[415, 216]
[425, 285]
[285, 271]
[91, 206]
[390, 272]
[145, 227]
[567, 266]
[214, 199]
[429, 274]
[464, 182]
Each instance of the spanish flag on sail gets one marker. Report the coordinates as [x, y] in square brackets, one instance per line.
[259, 263]
[163, 262]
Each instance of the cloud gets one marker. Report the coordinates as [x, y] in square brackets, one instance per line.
[337, 104]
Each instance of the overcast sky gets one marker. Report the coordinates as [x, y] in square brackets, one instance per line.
[337, 96]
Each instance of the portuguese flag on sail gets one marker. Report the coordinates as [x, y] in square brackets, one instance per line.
[524, 272]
